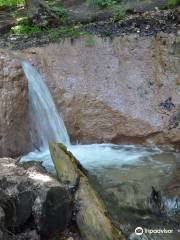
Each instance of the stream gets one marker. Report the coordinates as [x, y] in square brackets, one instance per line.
[131, 179]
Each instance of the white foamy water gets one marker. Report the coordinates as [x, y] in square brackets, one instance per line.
[97, 155]
[112, 165]
[47, 122]
[49, 125]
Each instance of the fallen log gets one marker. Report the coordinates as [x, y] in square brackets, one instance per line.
[91, 217]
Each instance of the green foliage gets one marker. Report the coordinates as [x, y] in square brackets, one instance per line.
[118, 13]
[11, 2]
[173, 3]
[24, 28]
[16, 14]
[102, 3]
[60, 11]
[106, 3]
[89, 40]
[64, 32]
[53, 34]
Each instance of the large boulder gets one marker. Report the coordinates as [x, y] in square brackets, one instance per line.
[32, 203]
[122, 90]
[14, 133]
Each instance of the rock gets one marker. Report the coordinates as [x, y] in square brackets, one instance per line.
[68, 3]
[14, 134]
[6, 25]
[52, 211]
[135, 194]
[33, 201]
[2, 221]
[70, 238]
[40, 14]
[172, 195]
[173, 187]
[89, 210]
[115, 90]
[6, 20]
[142, 6]
[28, 235]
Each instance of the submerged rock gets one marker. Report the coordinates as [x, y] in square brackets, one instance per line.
[33, 204]
[143, 193]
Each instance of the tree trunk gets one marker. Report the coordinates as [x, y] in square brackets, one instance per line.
[39, 13]
[91, 217]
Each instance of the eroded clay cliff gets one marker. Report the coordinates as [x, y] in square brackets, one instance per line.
[14, 131]
[120, 90]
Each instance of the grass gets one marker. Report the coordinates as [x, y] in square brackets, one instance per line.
[173, 3]
[65, 32]
[118, 13]
[53, 34]
[89, 40]
[60, 11]
[23, 28]
[10, 3]
[117, 10]
[101, 3]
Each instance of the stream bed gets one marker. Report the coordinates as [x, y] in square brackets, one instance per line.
[134, 183]
[139, 186]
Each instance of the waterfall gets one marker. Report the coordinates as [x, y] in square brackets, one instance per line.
[122, 171]
[43, 113]
[49, 125]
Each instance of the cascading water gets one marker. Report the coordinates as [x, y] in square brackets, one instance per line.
[119, 169]
[49, 125]
[43, 113]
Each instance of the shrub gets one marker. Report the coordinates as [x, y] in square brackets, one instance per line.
[24, 28]
[60, 11]
[118, 13]
[173, 3]
[11, 2]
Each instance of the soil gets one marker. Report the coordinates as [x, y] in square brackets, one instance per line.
[143, 24]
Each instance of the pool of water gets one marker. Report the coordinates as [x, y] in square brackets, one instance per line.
[126, 176]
